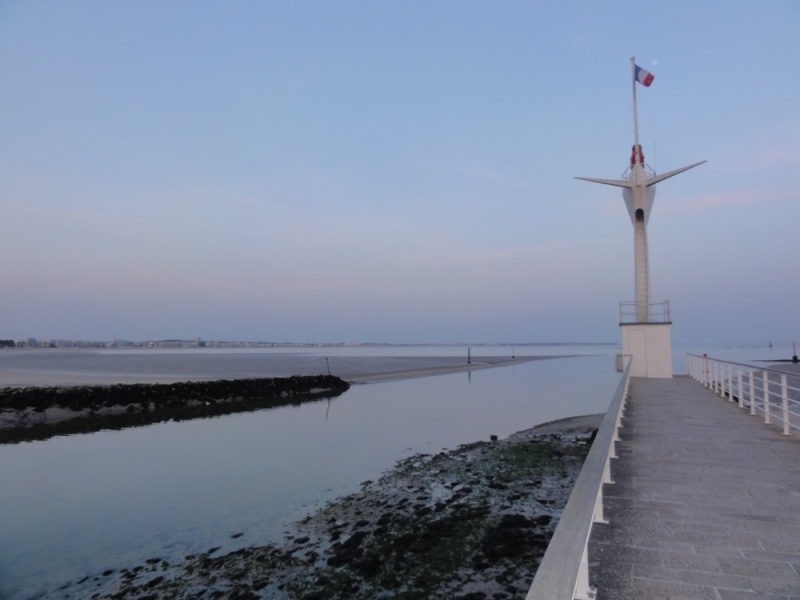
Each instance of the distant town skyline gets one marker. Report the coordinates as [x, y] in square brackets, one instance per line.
[398, 172]
[48, 343]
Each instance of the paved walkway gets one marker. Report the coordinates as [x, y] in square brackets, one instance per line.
[705, 505]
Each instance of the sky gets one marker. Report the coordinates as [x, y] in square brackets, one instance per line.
[352, 171]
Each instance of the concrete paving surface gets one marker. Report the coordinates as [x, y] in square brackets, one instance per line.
[705, 504]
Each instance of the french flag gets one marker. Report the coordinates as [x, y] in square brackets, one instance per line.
[644, 77]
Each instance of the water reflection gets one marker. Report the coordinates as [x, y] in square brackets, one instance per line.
[78, 505]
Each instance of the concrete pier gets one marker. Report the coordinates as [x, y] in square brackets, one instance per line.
[705, 504]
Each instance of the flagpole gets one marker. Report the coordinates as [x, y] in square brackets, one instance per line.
[635, 115]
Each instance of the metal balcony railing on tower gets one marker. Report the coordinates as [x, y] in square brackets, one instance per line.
[658, 312]
[626, 176]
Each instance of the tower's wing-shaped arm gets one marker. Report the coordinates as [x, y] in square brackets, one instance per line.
[667, 175]
[615, 182]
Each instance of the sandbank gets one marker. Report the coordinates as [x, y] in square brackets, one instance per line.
[73, 369]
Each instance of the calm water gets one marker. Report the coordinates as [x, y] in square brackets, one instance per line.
[77, 505]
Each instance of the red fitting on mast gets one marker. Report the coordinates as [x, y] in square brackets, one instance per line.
[634, 158]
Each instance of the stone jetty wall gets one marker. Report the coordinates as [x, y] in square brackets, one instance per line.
[36, 413]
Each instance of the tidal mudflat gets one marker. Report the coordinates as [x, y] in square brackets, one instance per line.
[470, 523]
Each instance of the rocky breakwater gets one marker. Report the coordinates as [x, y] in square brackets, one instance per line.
[467, 524]
[36, 413]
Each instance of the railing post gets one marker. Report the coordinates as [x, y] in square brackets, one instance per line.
[766, 396]
[721, 368]
[726, 373]
[785, 397]
[739, 381]
[583, 590]
[597, 515]
[607, 477]
[713, 380]
[730, 383]
[752, 393]
[712, 383]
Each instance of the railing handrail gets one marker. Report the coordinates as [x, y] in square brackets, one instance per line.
[740, 364]
[563, 572]
[761, 389]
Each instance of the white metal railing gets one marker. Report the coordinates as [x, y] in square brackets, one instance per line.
[564, 571]
[771, 393]
[658, 312]
[626, 175]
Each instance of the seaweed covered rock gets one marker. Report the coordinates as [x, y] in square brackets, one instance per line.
[472, 540]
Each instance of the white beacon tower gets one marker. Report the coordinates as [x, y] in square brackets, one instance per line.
[645, 327]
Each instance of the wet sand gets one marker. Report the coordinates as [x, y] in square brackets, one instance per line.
[70, 368]
[385, 369]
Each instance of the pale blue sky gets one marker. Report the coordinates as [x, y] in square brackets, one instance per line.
[394, 171]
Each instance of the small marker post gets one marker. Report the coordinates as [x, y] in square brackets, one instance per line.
[469, 355]
[327, 364]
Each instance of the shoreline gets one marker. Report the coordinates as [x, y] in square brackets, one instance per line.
[468, 523]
